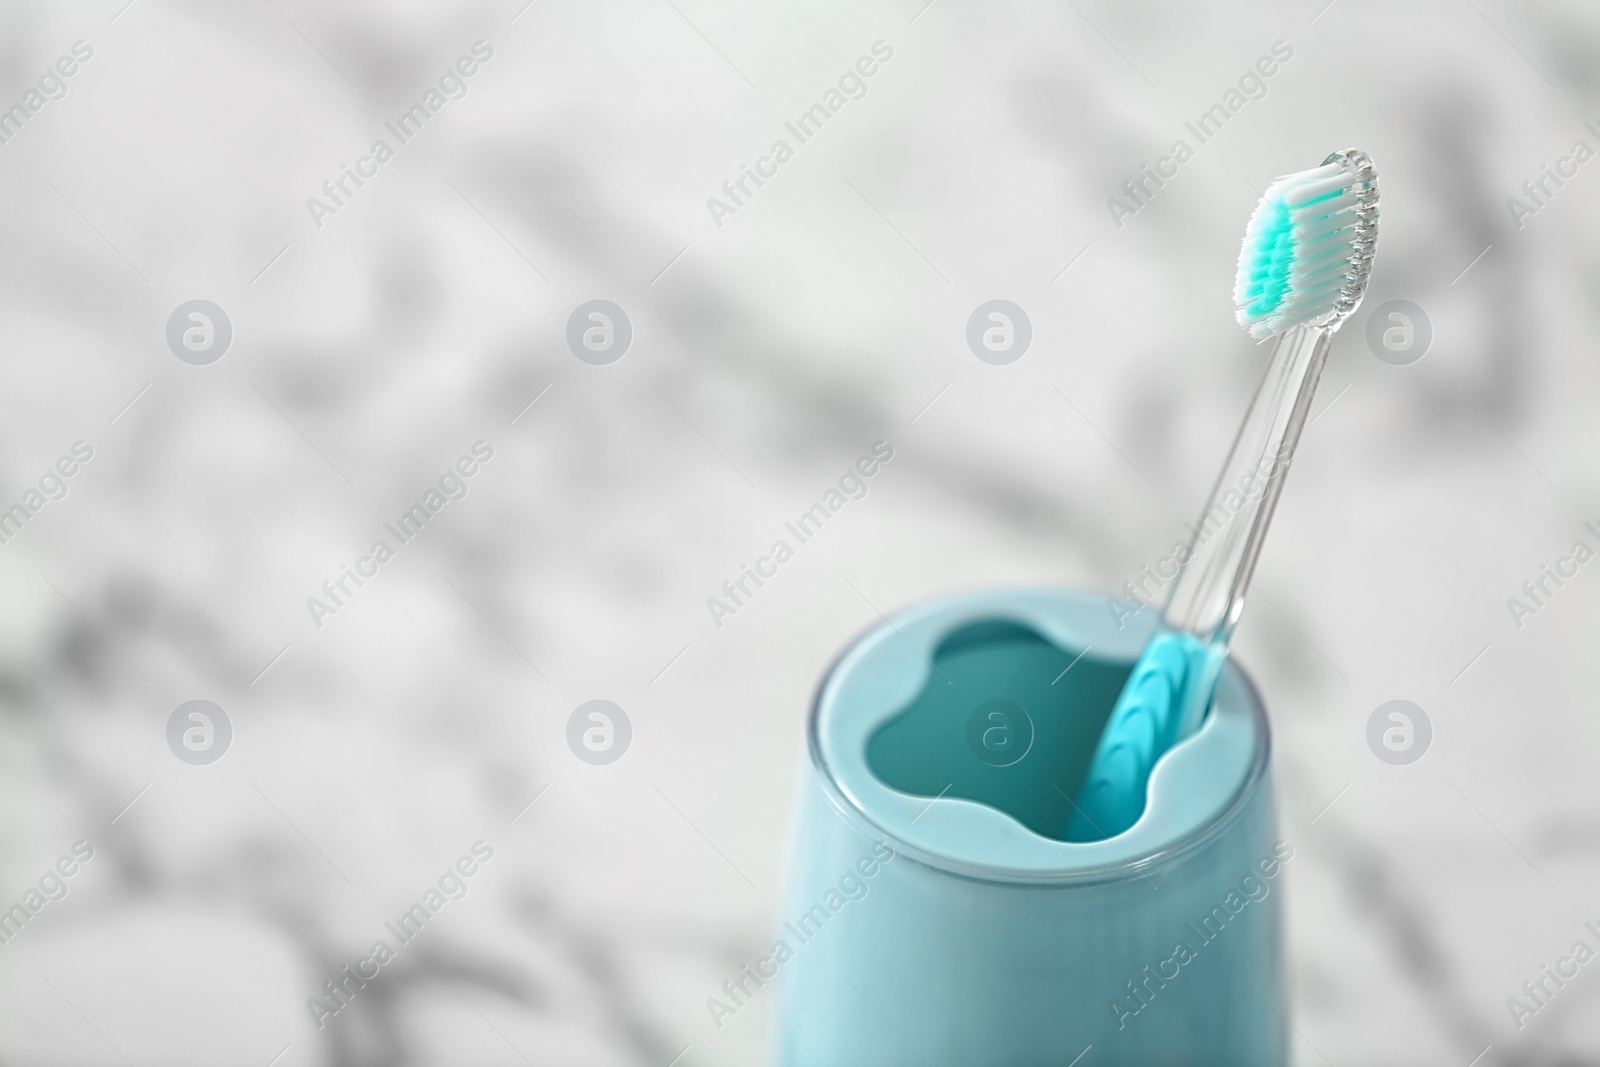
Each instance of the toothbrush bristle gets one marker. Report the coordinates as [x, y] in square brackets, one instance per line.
[1308, 248]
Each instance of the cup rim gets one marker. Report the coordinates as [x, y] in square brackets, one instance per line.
[1138, 867]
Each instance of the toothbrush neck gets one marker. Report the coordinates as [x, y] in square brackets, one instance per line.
[1208, 595]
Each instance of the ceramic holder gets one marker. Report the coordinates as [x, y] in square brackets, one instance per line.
[923, 926]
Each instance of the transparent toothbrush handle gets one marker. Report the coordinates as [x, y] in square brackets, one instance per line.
[1206, 599]
[1166, 696]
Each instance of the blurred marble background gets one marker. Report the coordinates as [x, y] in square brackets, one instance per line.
[376, 339]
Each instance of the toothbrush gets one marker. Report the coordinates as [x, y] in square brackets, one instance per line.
[1303, 269]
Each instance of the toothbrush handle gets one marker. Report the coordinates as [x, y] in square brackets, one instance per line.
[1208, 595]
[1166, 696]
[1143, 724]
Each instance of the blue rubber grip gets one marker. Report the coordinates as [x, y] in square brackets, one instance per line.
[1142, 726]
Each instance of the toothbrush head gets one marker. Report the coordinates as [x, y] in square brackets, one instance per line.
[1308, 249]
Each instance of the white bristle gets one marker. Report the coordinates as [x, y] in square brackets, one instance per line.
[1308, 249]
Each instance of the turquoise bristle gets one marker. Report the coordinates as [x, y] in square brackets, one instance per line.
[1308, 248]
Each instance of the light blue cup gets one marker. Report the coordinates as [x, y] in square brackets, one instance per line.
[923, 927]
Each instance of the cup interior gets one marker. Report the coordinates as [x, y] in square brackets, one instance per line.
[1007, 718]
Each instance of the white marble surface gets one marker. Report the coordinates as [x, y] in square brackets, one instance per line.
[822, 316]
